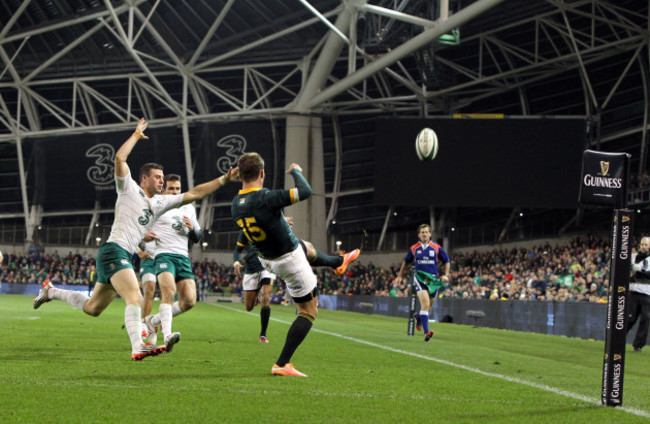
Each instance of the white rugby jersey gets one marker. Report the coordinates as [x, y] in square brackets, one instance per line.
[172, 233]
[149, 247]
[135, 212]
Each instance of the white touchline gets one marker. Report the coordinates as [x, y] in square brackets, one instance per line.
[452, 364]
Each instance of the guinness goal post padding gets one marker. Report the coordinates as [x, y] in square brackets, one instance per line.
[614, 360]
[604, 179]
[604, 183]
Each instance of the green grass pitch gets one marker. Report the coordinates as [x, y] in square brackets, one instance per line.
[59, 365]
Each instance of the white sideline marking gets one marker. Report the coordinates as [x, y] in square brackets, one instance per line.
[463, 367]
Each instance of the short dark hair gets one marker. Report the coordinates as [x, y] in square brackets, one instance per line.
[144, 170]
[250, 165]
[171, 177]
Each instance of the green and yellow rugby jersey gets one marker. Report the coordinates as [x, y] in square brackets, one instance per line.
[251, 262]
[258, 212]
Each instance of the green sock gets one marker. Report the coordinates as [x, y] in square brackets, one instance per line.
[327, 260]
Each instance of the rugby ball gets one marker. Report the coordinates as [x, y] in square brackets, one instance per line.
[426, 144]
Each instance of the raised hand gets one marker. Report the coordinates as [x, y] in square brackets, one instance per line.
[232, 174]
[139, 130]
[294, 166]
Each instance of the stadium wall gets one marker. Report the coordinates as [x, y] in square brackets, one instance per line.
[584, 320]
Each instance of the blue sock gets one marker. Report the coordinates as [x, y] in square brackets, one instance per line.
[424, 319]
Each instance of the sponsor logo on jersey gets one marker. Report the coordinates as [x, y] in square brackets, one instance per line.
[163, 266]
[242, 200]
[124, 261]
[419, 251]
[432, 253]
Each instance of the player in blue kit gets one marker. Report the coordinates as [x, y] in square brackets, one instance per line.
[431, 272]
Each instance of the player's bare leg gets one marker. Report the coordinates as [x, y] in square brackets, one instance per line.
[250, 299]
[100, 299]
[148, 293]
[186, 296]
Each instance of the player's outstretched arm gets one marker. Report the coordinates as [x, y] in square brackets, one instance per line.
[202, 190]
[121, 168]
[302, 186]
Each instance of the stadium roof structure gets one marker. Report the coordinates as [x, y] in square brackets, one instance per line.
[91, 66]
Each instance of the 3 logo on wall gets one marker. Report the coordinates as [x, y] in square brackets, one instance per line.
[102, 173]
[236, 145]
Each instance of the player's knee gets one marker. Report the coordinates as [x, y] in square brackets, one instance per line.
[187, 304]
[92, 311]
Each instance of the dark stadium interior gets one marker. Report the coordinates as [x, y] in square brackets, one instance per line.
[64, 62]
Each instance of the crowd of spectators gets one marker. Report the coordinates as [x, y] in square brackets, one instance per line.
[575, 271]
[36, 267]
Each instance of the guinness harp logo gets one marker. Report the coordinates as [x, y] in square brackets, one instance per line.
[604, 167]
[617, 357]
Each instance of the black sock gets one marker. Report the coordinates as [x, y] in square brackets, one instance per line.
[327, 260]
[295, 336]
[265, 314]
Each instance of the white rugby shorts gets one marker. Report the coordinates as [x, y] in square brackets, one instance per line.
[295, 270]
[252, 281]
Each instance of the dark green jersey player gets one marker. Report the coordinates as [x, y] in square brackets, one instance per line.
[251, 262]
[258, 212]
[257, 282]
